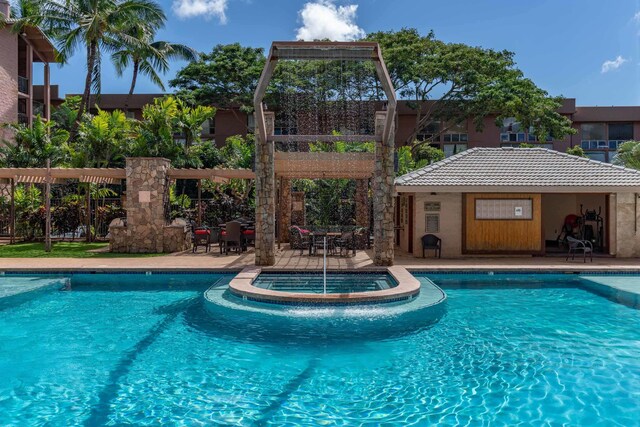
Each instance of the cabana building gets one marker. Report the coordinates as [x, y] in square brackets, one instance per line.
[519, 201]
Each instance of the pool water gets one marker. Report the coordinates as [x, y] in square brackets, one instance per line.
[337, 283]
[143, 350]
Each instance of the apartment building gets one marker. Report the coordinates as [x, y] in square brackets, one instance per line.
[18, 53]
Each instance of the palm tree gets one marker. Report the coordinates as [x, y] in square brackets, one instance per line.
[34, 145]
[93, 25]
[148, 57]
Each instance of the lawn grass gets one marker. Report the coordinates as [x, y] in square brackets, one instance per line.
[63, 250]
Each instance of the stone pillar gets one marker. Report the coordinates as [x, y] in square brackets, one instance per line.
[147, 190]
[284, 206]
[627, 217]
[265, 197]
[383, 188]
[362, 203]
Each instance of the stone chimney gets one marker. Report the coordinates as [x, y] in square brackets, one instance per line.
[5, 8]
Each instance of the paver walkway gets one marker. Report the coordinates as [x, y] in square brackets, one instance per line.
[292, 260]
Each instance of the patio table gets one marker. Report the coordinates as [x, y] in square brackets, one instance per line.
[312, 235]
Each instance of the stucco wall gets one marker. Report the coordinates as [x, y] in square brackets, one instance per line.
[8, 79]
[450, 223]
[627, 222]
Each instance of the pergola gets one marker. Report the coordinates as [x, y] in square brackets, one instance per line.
[269, 164]
[48, 176]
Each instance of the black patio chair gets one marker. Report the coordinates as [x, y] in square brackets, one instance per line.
[431, 241]
[576, 245]
[346, 242]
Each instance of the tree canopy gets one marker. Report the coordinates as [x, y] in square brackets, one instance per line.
[225, 77]
[464, 82]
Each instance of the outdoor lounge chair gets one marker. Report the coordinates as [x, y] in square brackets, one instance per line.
[431, 241]
[576, 245]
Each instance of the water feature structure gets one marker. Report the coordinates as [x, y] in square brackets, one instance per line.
[311, 152]
[382, 160]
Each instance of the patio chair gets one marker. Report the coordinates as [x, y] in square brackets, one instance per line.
[231, 237]
[298, 239]
[431, 241]
[346, 241]
[200, 236]
[576, 245]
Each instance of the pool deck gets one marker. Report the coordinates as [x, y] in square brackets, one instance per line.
[292, 260]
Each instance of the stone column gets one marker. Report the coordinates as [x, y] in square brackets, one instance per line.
[284, 206]
[383, 187]
[265, 197]
[362, 203]
[146, 193]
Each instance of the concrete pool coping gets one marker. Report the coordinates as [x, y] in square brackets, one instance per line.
[408, 286]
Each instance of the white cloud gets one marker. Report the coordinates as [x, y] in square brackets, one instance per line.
[322, 19]
[636, 17]
[206, 8]
[611, 65]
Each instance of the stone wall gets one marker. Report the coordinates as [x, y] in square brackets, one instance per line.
[146, 229]
[265, 197]
[176, 238]
[284, 207]
[362, 203]
[383, 189]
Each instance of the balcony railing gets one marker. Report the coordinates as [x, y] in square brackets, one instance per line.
[23, 85]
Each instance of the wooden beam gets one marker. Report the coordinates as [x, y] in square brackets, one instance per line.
[211, 174]
[324, 165]
[324, 138]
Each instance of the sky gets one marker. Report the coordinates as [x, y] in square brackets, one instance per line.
[583, 49]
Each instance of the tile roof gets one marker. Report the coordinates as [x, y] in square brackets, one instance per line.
[520, 167]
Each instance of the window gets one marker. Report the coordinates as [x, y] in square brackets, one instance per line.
[593, 131]
[511, 131]
[517, 209]
[130, 114]
[601, 156]
[594, 136]
[431, 130]
[517, 145]
[451, 149]
[209, 127]
[619, 133]
[456, 133]
[432, 223]
[600, 138]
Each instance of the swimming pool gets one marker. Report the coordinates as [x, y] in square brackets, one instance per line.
[136, 349]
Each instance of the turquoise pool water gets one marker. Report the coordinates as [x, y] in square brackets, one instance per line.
[142, 350]
[314, 282]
